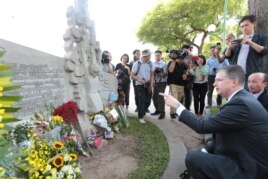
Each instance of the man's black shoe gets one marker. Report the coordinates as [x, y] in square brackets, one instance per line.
[155, 113]
[185, 175]
[147, 111]
[136, 110]
[162, 116]
[173, 116]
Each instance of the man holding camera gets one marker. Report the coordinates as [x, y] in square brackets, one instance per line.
[249, 51]
[160, 81]
[190, 78]
[136, 57]
[143, 75]
[214, 63]
[176, 76]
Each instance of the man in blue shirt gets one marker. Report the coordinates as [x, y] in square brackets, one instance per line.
[143, 75]
[214, 62]
[160, 81]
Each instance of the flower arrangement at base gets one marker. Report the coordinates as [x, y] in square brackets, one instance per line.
[53, 148]
[51, 160]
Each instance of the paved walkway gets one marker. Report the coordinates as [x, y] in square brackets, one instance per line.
[179, 136]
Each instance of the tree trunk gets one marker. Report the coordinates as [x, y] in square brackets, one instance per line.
[259, 8]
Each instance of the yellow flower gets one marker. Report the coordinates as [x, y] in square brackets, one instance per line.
[77, 170]
[47, 169]
[1, 88]
[2, 125]
[58, 161]
[53, 171]
[69, 177]
[70, 172]
[57, 119]
[2, 111]
[1, 94]
[2, 171]
[73, 156]
[58, 145]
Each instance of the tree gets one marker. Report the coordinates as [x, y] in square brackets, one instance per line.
[259, 8]
[176, 22]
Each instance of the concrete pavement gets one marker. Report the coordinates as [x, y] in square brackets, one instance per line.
[179, 136]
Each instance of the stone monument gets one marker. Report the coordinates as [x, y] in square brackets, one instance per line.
[83, 62]
[47, 79]
[41, 78]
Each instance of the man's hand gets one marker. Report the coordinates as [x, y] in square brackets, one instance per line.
[170, 101]
[247, 41]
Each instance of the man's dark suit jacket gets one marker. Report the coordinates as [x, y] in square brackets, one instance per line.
[241, 132]
[263, 98]
[254, 59]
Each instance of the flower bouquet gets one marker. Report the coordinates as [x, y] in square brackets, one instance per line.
[53, 148]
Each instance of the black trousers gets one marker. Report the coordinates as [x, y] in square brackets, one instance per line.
[210, 166]
[126, 88]
[158, 100]
[199, 92]
[135, 93]
[144, 97]
[187, 96]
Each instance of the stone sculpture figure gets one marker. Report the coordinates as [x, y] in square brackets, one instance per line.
[82, 56]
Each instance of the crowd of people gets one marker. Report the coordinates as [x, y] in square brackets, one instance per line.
[240, 128]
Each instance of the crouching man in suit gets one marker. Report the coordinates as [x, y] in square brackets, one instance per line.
[241, 132]
[257, 84]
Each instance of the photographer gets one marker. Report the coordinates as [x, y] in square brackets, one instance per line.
[213, 64]
[160, 79]
[142, 73]
[176, 76]
[123, 73]
[106, 59]
[190, 77]
[136, 57]
[249, 51]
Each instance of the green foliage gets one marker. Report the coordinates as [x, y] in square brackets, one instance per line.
[8, 157]
[153, 148]
[171, 24]
[8, 153]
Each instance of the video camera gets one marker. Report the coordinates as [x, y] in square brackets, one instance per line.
[105, 57]
[177, 54]
[120, 73]
[158, 70]
[218, 45]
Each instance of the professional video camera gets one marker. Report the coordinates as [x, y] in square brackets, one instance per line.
[158, 70]
[177, 54]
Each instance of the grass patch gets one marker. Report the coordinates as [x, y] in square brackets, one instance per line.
[153, 147]
[214, 110]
